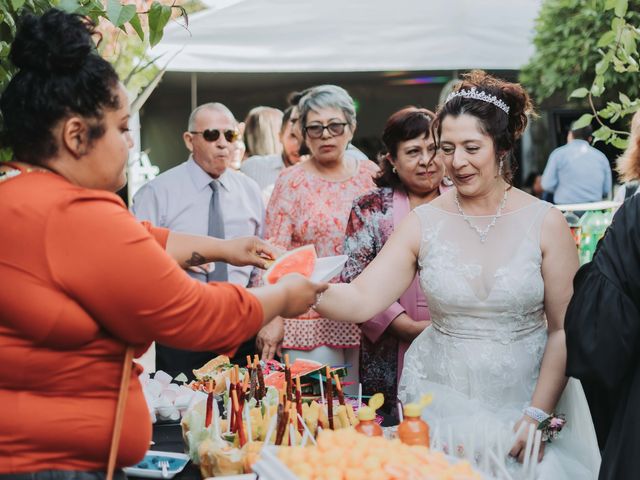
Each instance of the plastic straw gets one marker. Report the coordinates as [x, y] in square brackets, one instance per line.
[534, 456]
[500, 466]
[400, 412]
[216, 418]
[306, 429]
[292, 435]
[272, 427]
[359, 395]
[528, 447]
[248, 415]
[321, 390]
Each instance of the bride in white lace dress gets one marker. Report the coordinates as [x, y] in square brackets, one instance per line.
[496, 265]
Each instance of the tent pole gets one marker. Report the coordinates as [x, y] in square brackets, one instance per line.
[194, 90]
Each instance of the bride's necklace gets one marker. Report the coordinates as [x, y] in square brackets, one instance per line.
[482, 232]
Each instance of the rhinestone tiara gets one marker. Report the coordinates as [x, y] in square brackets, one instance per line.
[480, 95]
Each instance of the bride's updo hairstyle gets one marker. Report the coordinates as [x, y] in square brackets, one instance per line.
[60, 75]
[504, 128]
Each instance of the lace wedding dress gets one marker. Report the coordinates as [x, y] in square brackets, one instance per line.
[481, 356]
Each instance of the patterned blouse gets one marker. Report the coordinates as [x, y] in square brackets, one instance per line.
[308, 209]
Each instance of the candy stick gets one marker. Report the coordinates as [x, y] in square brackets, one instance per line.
[400, 412]
[306, 429]
[339, 389]
[527, 448]
[261, 388]
[359, 395]
[238, 414]
[209, 405]
[287, 377]
[329, 398]
[282, 423]
[299, 402]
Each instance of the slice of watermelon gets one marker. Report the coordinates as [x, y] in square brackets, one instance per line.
[299, 368]
[301, 260]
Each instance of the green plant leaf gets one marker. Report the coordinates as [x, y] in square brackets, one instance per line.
[621, 8]
[583, 121]
[609, 4]
[135, 23]
[579, 93]
[606, 39]
[70, 6]
[159, 15]
[602, 134]
[626, 101]
[17, 4]
[619, 142]
[119, 14]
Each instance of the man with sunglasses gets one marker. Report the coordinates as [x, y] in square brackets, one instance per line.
[204, 196]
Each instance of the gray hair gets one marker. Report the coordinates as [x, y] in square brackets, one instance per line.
[327, 96]
[215, 106]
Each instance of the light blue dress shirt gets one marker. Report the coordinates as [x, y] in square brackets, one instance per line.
[577, 173]
[179, 199]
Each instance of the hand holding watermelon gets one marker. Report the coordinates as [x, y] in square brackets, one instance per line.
[301, 294]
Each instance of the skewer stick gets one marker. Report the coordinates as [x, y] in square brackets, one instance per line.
[247, 413]
[287, 377]
[299, 402]
[400, 412]
[216, 419]
[359, 395]
[329, 398]
[283, 421]
[292, 435]
[238, 414]
[229, 413]
[261, 388]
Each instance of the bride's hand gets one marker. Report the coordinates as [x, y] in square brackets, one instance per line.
[518, 448]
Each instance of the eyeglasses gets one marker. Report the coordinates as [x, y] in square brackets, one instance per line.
[212, 135]
[316, 130]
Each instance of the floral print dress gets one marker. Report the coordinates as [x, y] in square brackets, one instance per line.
[308, 209]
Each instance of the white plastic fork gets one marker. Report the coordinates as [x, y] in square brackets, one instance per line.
[164, 465]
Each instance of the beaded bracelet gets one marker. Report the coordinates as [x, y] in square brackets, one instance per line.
[536, 414]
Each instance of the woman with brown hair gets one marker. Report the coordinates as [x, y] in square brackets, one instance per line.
[495, 265]
[411, 174]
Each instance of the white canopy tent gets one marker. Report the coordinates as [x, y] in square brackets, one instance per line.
[353, 36]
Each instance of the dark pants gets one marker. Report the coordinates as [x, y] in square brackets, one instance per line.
[62, 475]
[175, 361]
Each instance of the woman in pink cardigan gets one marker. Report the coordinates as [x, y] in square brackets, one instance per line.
[410, 174]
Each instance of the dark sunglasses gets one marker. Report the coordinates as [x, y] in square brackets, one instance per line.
[213, 135]
[316, 130]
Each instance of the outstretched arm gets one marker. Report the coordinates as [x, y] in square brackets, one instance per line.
[193, 250]
[381, 283]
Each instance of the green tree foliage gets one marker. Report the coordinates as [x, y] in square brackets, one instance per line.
[587, 50]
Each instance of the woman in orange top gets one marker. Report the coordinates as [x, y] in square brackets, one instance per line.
[81, 278]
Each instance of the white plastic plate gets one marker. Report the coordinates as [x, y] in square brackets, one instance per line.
[328, 267]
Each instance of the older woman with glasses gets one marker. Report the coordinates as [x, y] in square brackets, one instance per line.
[310, 205]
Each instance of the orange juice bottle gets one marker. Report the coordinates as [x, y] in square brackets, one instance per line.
[413, 430]
[367, 424]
